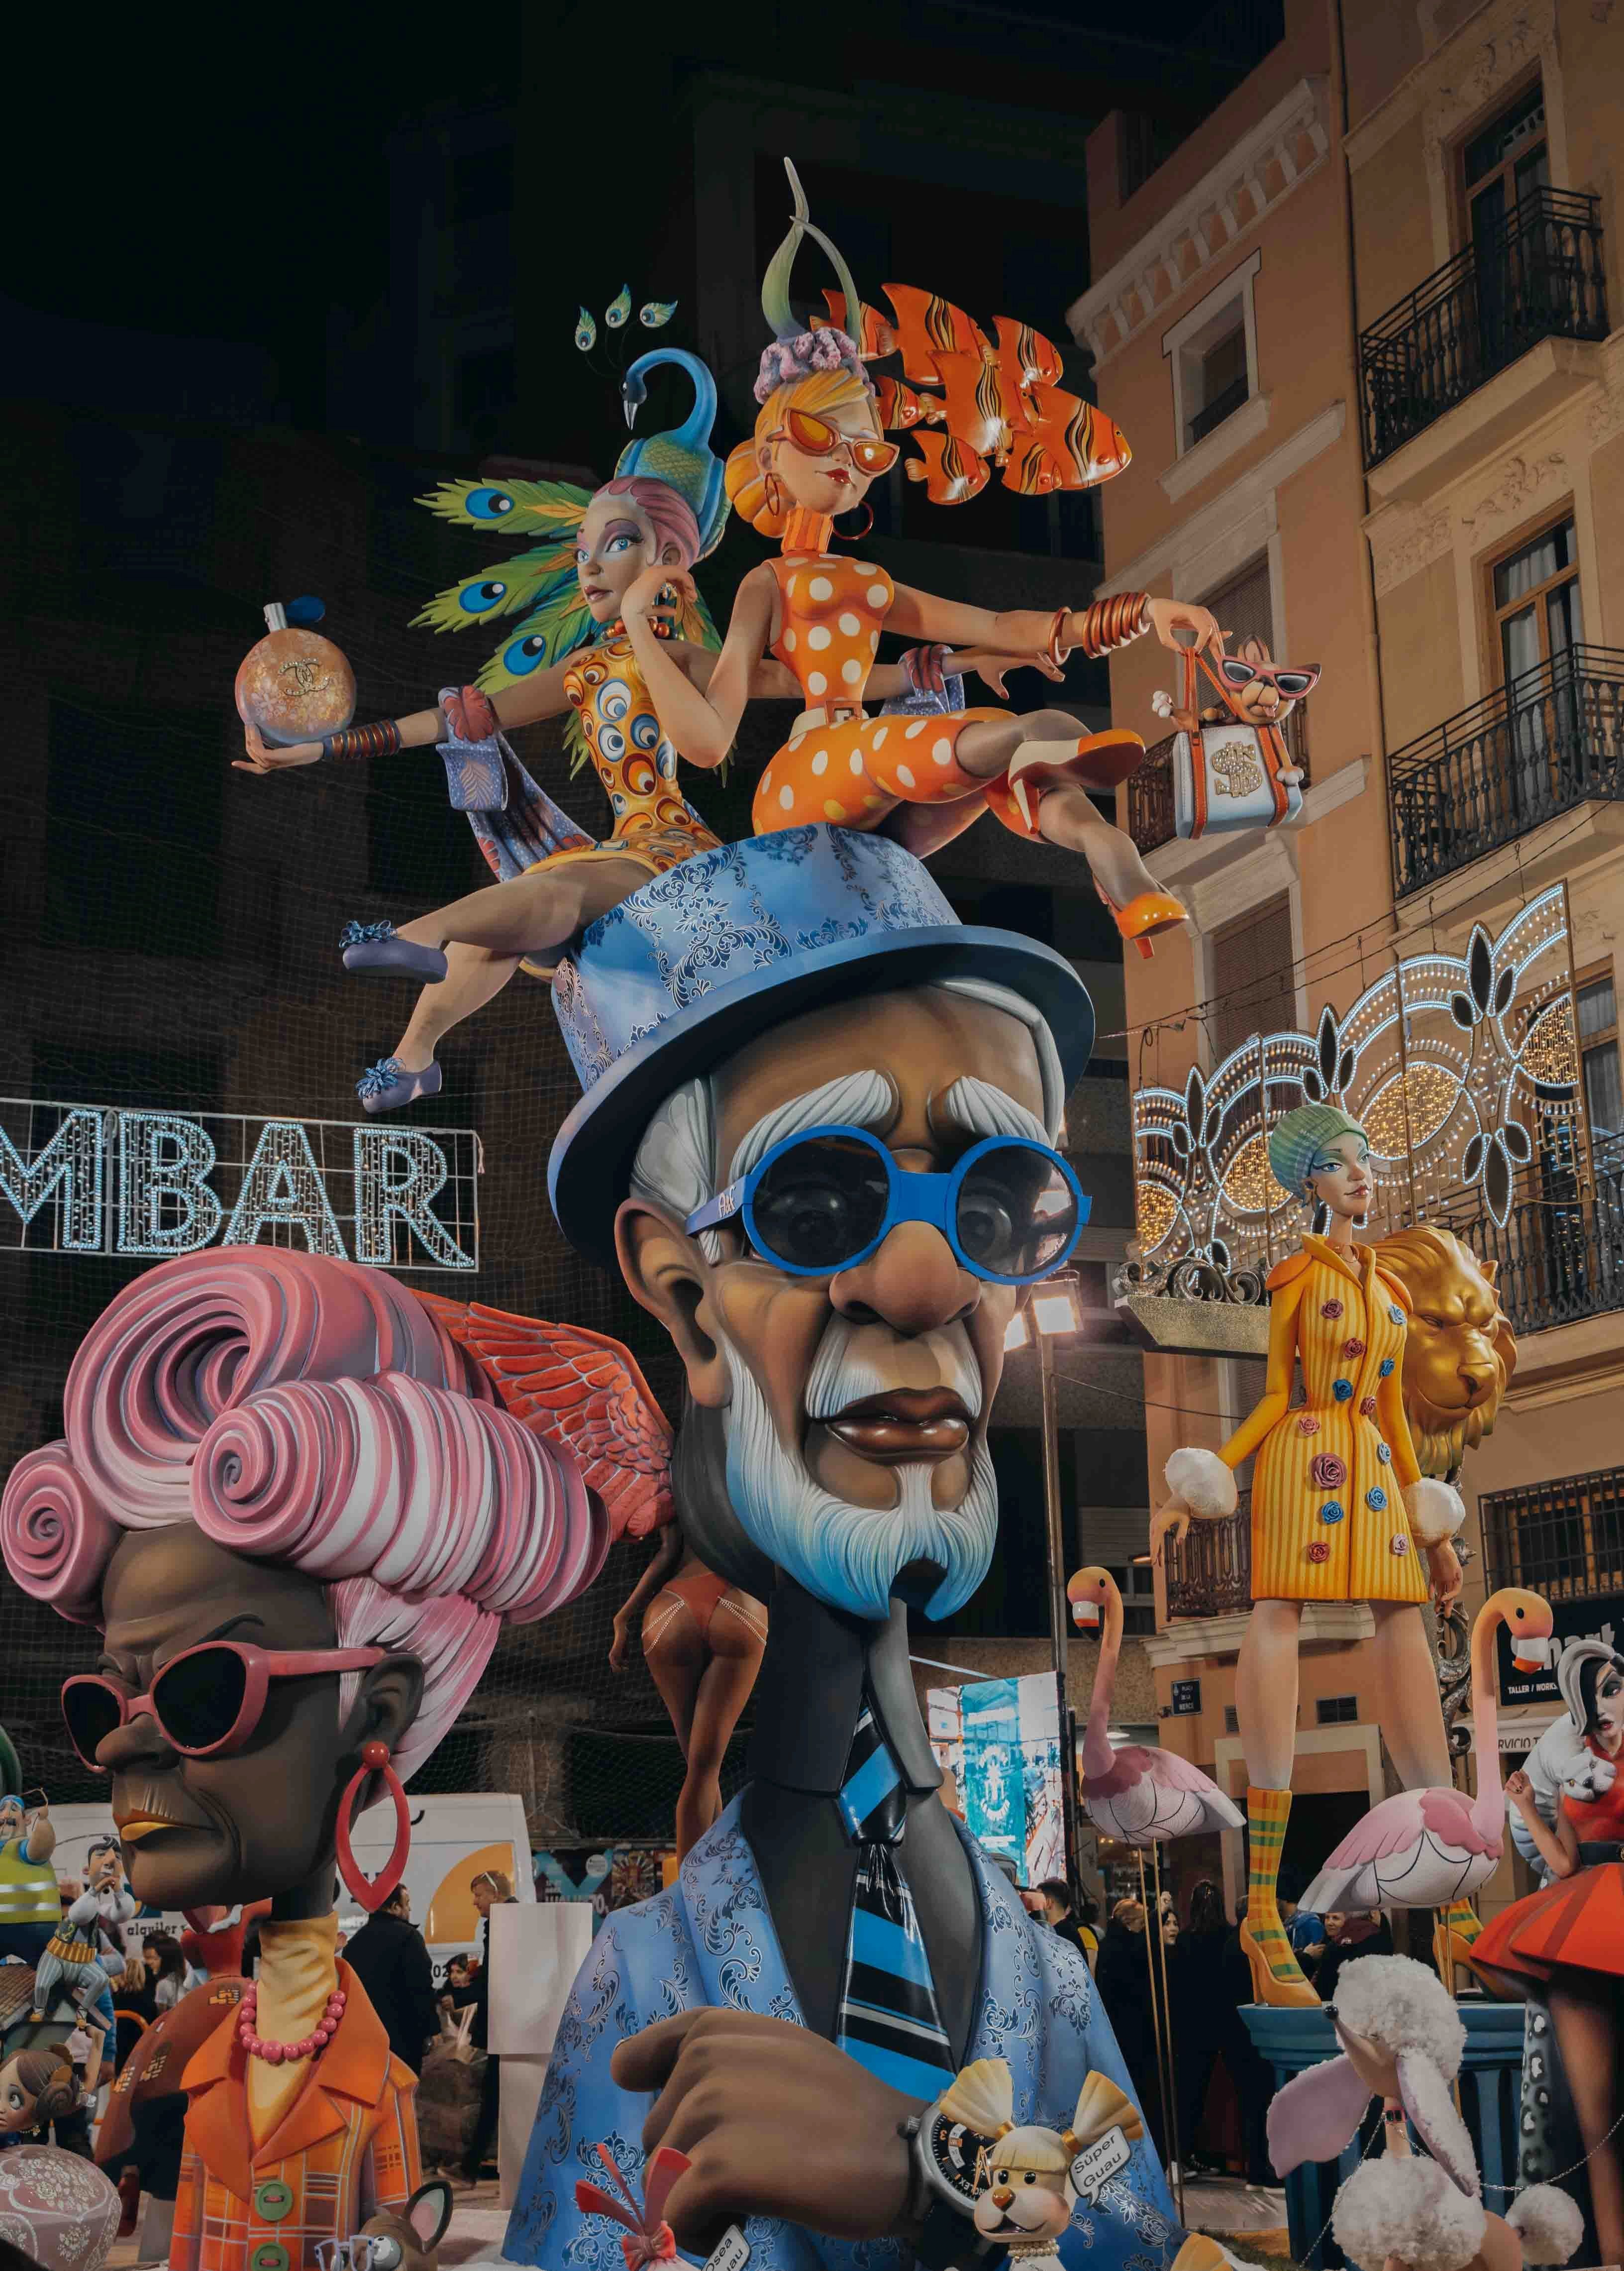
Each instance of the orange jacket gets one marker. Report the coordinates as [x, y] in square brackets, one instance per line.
[346, 2146]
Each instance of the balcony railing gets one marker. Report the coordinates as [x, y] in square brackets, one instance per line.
[1549, 739]
[1560, 1260]
[1150, 790]
[1210, 1574]
[1564, 1539]
[1538, 276]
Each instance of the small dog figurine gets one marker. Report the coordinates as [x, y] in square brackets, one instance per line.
[1029, 2194]
[1260, 692]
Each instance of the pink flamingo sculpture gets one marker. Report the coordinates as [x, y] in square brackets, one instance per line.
[1144, 1797]
[1426, 1848]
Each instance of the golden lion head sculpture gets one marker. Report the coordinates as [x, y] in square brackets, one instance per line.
[1460, 1351]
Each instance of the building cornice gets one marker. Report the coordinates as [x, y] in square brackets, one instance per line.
[1216, 520]
[1249, 179]
[1457, 74]
[1188, 1640]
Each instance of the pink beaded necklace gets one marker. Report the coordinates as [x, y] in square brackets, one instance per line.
[278, 2053]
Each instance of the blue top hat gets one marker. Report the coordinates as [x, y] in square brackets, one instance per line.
[675, 979]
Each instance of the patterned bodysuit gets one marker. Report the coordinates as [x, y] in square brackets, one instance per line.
[839, 764]
[653, 821]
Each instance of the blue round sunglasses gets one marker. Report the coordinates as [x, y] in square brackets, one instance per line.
[1010, 1210]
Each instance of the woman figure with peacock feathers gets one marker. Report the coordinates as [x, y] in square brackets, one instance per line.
[569, 655]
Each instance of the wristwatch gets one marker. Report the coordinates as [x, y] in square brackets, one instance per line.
[946, 2157]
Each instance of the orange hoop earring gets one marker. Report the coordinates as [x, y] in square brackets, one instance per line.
[370, 1893]
[775, 495]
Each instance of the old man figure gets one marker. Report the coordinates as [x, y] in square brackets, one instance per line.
[816, 1138]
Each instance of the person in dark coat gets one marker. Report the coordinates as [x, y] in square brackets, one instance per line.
[1122, 1975]
[392, 1964]
[490, 1889]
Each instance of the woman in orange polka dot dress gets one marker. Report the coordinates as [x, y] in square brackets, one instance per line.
[817, 447]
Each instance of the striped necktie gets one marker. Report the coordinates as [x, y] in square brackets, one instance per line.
[888, 2021]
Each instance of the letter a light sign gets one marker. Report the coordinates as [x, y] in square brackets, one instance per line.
[97, 1179]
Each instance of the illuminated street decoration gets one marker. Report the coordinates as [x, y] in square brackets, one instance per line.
[1484, 1072]
[96, 1178]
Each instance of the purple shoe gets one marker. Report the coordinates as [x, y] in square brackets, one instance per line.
[375, 946]
[387, 1085]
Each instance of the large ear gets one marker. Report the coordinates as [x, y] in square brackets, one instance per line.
[1315, 2115]
[666, 1274]
[390, 1697]
[1426, 2098]
[428, 2211]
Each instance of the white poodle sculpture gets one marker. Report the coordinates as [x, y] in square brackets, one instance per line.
[1402, 2041]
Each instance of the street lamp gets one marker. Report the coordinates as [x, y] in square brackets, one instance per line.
[1055, 1313]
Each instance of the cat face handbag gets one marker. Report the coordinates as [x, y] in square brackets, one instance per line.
[1230, 775]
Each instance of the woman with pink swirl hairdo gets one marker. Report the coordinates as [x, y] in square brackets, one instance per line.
[300, 1514]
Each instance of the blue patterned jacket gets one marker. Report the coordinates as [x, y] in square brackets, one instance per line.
[709, 1942]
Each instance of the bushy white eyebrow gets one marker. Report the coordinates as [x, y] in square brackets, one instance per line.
[853, 1100]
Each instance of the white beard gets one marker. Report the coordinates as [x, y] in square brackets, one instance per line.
[849, 1557]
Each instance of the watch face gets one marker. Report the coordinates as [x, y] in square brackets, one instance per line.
[958, 2155]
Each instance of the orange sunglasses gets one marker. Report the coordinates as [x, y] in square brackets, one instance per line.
[819, 439]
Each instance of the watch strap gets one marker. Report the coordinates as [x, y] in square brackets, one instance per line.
[948, 2241]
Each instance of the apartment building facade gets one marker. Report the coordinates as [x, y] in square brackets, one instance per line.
[1357, 329]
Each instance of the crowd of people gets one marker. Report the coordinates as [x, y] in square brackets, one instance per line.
[1221, 2084]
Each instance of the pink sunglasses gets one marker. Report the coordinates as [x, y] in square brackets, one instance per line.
[206, 1702]
[1295, 683]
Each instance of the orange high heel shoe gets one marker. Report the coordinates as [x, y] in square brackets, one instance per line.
[1145, 916]
[1285, 1990]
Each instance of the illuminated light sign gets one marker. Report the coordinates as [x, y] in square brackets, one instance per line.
[1459, 1068]
[102, 1179]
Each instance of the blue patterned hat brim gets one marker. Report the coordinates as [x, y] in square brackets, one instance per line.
[588, 1173]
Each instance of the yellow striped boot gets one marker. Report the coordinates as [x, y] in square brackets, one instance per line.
[1276, 1976]
[1453, 1931]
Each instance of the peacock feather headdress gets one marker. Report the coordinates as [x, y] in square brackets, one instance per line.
[535, 594]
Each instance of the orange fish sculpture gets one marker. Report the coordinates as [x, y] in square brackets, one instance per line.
[951, 473]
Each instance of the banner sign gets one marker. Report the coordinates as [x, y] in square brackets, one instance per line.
[1602, 1620]
[100, 1178]
[998, 1741]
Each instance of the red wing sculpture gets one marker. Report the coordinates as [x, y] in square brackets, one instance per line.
[583, 1391]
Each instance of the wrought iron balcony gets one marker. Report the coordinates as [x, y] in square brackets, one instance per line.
[1564, 1539]
[1210, 1574]
[1538, 276]
[1549, 739]
[1560, 1259]
[1150, 790]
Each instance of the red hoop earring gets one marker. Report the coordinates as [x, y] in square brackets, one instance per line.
[775, 495]
[856, 535]
[370, 1893]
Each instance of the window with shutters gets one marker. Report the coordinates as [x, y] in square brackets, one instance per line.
[1245, 606]
[1250, 984]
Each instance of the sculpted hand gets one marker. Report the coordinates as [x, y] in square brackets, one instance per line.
[1444, 1571]
[657, 591]
[262, 758]
[990, 668]
[1174, 1520]
[1167, 616]
[776, 2123]
[617, 1646]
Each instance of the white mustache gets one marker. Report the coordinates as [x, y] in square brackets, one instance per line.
[845, 1370]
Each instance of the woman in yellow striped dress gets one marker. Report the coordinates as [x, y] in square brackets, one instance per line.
[1341, 1511]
